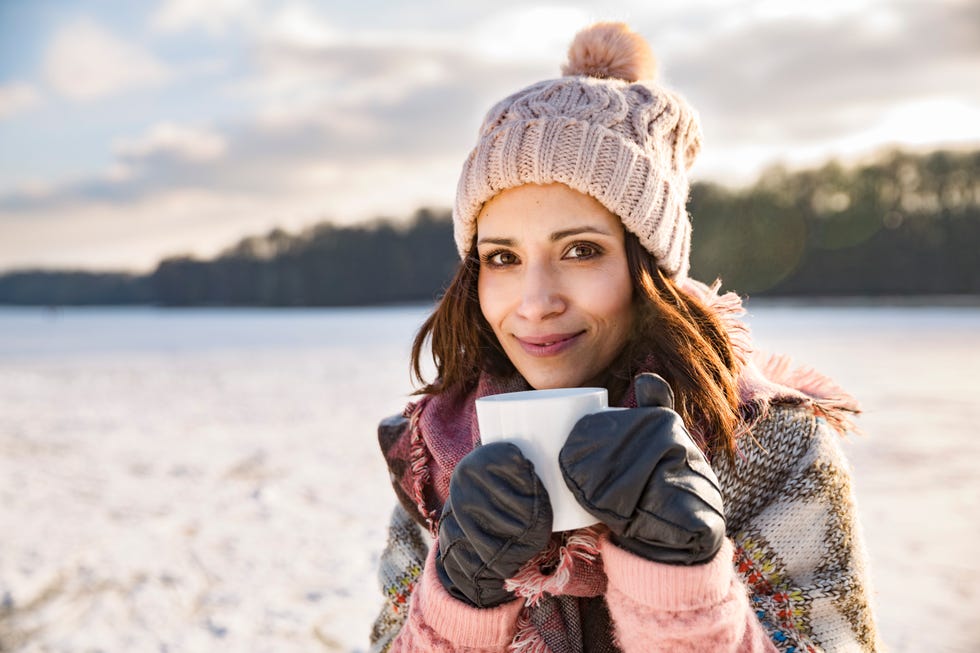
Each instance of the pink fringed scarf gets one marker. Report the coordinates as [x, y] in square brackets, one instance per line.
[444, 428]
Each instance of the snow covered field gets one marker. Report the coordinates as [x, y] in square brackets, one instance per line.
[209, 480]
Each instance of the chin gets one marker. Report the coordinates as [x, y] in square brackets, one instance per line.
[552, 381]
[549, 386]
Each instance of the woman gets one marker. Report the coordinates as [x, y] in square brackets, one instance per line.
[571, 224]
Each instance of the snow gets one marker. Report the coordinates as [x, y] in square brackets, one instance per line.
[209, 480]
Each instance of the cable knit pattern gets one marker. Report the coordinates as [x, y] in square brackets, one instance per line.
[627, 144]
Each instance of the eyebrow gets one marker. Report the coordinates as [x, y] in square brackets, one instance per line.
[555, 237]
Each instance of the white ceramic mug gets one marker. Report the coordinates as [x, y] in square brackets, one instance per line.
[538, 422]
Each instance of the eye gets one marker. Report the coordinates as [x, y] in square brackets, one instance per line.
[583, 251]
[499, 258]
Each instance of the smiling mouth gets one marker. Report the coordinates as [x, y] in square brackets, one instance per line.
[548, 345]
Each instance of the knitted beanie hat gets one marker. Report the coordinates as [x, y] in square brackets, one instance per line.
[605, 129]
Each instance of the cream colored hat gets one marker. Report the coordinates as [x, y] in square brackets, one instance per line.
[605, 129]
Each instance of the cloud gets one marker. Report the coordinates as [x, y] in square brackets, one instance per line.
[349, 124]
[346, 156]
[170, 140]
[527, 33]
[325, 100]
[85, 62]
[353, 105]
[354, 133]
[215, 17]
[785, 77]
[300, 26]
[136, 234]
[17, 97]
[798, 80]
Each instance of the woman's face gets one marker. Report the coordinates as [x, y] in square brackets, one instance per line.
[554, 283]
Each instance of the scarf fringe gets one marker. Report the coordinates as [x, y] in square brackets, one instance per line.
[530, 583]
[728, 309]
[527, 639]
[419, 461]
[804, 384]
[778, 368]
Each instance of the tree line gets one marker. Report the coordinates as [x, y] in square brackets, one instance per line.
[903, 224]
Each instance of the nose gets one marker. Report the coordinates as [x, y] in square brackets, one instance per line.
[541, 295]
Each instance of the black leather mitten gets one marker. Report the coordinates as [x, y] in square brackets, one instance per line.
[497, 517]
[641, 474]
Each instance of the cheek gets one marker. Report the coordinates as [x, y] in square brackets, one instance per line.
[618, 320]
[611, 299]
[490, 297]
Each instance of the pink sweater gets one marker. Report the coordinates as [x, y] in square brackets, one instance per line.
[655, 607]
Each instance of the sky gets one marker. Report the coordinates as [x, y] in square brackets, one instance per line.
[132, 131]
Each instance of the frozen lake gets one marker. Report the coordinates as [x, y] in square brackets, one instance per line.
[209, 480]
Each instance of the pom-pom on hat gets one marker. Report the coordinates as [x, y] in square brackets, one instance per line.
[605, 129]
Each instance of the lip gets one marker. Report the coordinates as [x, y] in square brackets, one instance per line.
[549, 344]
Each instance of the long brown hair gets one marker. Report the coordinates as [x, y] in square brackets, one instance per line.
[674, 335]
